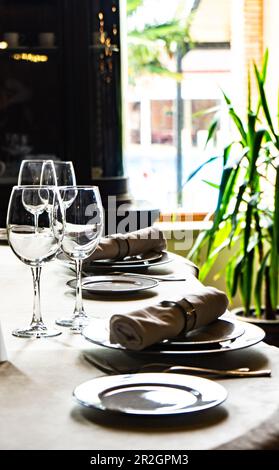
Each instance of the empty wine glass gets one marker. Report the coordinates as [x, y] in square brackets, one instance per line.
[65, 173]
[47, 172]
[37, 172]
[83, 229]
[35, 237]
[35, 202]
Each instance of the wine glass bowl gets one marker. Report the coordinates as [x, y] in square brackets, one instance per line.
[35, 201]
[37, 172]
[46, 172]
[35, 235]
[65, 173]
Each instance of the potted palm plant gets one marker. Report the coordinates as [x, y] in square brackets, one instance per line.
[246, 219]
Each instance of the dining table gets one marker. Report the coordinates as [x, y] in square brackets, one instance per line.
[37, 407]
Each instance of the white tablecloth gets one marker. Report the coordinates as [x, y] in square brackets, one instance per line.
[37, 409]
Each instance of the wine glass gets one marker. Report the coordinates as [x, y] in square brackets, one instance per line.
[35, 237]
[65, 173]
[37, 172]
[47, 172]
[83, 229]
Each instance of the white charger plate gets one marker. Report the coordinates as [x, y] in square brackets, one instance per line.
[163, 258]
[115, 284]
[149, 394]
[151, 256]
[97, 332]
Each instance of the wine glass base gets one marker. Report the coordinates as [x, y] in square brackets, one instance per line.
[74, 323]
[64, 322]
[36, 333]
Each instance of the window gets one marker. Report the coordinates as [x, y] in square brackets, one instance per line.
[134, 122]
[162, 122]
[170, 111]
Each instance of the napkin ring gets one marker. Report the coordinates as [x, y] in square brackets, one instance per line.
[189, 315]
[123, 246]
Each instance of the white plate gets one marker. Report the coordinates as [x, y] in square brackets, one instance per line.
[97, 332]
[138, 259]
[93, 266]
[118, 284]
[149, 394]
[139, 264]
[217, 332]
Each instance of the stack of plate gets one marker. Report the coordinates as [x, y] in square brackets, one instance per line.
[164, 394]
[158, 394]
[150, 259]
[221, 336]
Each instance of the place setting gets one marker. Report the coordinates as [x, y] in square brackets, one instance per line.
[194, 324]
[156, 338]
[120, 262]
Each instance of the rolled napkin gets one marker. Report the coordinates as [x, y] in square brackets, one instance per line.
[119, 246]
[3, 352]
[137, 330]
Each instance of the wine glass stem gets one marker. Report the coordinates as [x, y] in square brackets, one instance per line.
[37, 317]
[36, 217]
[79, 311]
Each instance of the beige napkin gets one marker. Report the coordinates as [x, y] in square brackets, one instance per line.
[131, 244]
[148, 326]
[3, 352]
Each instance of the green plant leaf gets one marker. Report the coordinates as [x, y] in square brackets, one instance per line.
[219, 243]
[226, 154]
[213, 185]
[239, 200]
[212, 129]
[274, 265]
[228, 181]
[260, 235]
[229, 276]
[253, 242]
[251, 129]
[237, 266]
[255, 152]
[210, 160]
[259, 285]
[260, 83]
[198, 245]
[236, 119]
[247, 229]
[247, 280]
[265, 64]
